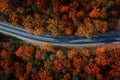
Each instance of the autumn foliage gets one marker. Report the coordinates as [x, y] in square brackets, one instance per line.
[45, 62]
[61, 17]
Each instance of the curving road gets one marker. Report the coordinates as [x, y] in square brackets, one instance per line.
[109, 38]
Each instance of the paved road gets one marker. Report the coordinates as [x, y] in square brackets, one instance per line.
[110, 38]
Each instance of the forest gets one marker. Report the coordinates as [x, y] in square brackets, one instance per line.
[23, 61]
[62, 17]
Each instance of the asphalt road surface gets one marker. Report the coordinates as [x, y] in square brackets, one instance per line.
[109, 38]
